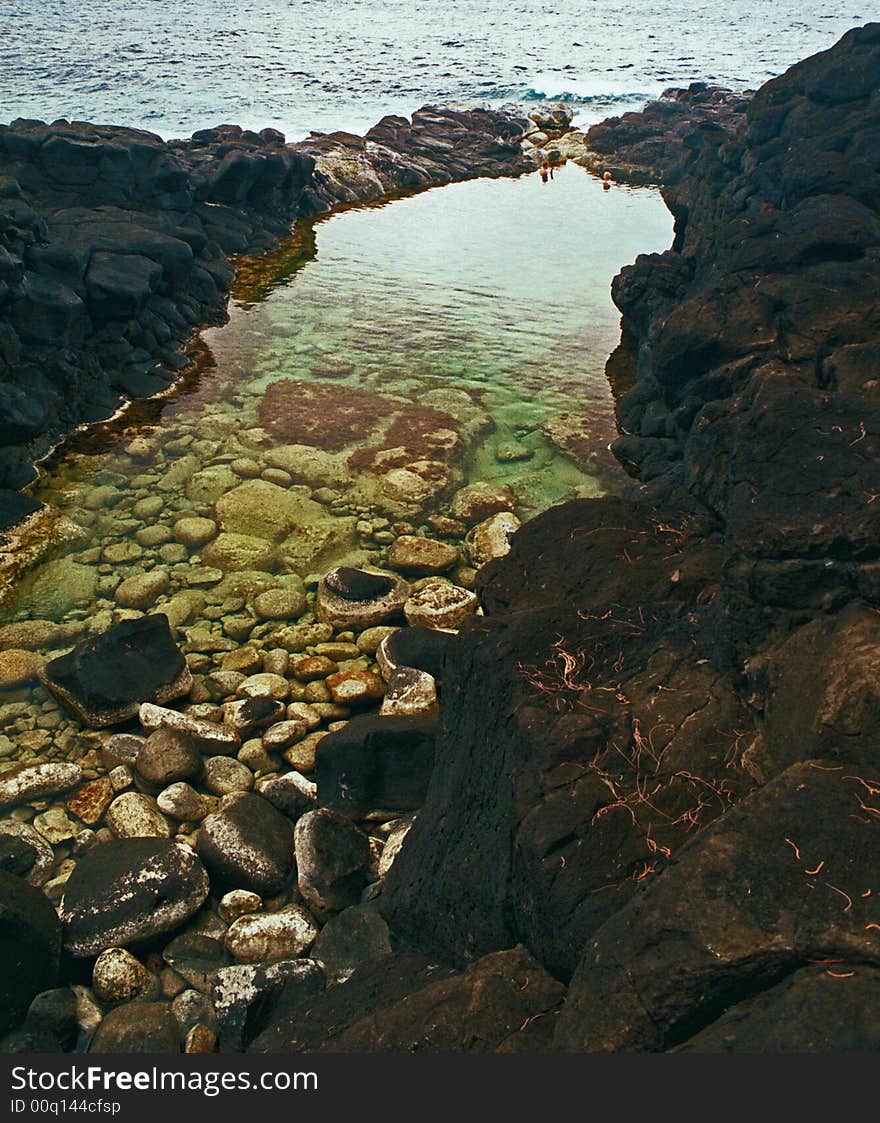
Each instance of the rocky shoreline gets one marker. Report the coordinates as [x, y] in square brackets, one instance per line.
[620, 790]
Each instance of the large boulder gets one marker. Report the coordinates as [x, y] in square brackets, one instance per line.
[376, 762]
[104, 680]
[30, 946]
[247, 844]
[129, 891]
[332, 859]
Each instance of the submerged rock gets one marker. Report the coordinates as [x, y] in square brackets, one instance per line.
[374, 762]
[104, 680]
[30, 947]
[439, 605]
[32, 781]
[332, 858]
[358, 599]
[130, 890]
[248, 844]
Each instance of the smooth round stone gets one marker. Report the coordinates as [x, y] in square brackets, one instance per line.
[276, 661]
[440, 606]
[269, 937]
[225, 775]
[148, 508]
[134, 815]
[246, 468]
[137, 1027]
[302, 711]
[246, 660]
[280, 604]
[143, 590]
[194, 532]
[247, 844]
[120, 553]
[182, 802]
[55, 826]
[263, 685]
[227, 682]
[411, 554]
[238, 902]
[167, 756]
[314, 667]
[332, 859]
[491, 538]
[119, 977]
[283, 734]
[18, 667]
[152, 536]
[233, 552]
[355, 688]
[368, 642]
[25, 782]
[136, 889]
[276, 476]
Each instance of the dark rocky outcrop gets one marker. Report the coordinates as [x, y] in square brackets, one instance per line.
[655, 753]
[403, 1004]
[115, 245]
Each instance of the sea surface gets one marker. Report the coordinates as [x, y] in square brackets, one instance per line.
[299, 65]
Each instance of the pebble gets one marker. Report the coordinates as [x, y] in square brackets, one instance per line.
[152, 536]
[55, 826]
[207, 736]
[33, 781]
[258, 759]
[268, 937]
[291, 793]
[18, 667]
[200, 1039]
[167, 756]
[355, 688]
[264, 685]
[120, 778]
[90, 801]
[301, 756]
[491, 538]
[224, 775]
[276, 661]
[191, 1008]
[194, 532]
[248, 714]
[368, 641]
[440, 605]
[283, 735]
[119, 977]
[411, 554]
[314, 667]
[238, 902]
[182, 802]
[409, 693]
[134, 815]
[280, 604]
[307, 714]
[245, 660]
[143, 590]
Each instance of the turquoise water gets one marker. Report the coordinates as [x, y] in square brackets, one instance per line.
[325, 64]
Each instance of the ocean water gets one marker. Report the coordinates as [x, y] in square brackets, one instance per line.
[173, 67]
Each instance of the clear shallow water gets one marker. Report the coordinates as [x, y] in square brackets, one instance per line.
[323, 64]
[499, 288]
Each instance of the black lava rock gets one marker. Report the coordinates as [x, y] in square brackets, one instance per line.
[30, 947]
[374, 762]
[104, 680]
